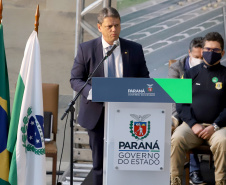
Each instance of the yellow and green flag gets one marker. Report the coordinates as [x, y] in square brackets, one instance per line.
[4, 113]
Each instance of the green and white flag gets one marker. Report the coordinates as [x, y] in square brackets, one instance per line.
[26, 133]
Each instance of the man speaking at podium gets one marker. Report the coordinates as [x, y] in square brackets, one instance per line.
[126, 60]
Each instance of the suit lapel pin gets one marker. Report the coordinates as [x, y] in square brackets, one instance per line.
[126, 52]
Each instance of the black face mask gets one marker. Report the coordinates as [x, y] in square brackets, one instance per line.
[211, 57]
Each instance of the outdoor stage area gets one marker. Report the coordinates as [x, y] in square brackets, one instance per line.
[57, 44]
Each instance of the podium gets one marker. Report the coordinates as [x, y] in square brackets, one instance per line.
[138, 127]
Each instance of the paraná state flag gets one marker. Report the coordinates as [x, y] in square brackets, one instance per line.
[26, 133]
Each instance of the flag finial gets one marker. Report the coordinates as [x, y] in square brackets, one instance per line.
[37, 15]
[1, 9]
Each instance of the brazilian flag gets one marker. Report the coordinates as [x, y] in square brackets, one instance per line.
[4, 113]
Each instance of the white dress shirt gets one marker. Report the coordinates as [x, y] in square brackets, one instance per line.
[118, 63]
[118, 59]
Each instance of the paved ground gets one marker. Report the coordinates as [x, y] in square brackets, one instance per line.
[165, 28]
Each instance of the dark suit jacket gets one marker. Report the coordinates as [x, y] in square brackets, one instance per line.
[89, 55]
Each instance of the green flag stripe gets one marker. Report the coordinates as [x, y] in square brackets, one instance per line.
[180, 90]
[11, 144]
[15, 115]
[13, 170]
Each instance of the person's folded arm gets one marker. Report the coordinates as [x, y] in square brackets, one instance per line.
[185, 113]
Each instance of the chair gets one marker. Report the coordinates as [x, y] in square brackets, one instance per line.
[171, 62]
[50, 104]
[202, 149]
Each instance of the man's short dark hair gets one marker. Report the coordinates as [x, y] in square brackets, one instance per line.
[107, 12]
[214, 36]
[196, 43]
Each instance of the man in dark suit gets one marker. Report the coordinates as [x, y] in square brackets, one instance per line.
[128, 61]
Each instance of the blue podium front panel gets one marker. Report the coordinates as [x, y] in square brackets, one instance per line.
[141, 90]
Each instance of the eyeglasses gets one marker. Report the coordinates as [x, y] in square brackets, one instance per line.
[215, 50]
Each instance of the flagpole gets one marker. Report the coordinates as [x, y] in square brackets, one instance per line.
[1, 9]
[37, 15]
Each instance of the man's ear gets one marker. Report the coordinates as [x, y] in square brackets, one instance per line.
[99, 27]
[189, 53]
[223, 52]
[202, 51]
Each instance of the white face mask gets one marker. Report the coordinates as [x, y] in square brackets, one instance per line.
[194, 61]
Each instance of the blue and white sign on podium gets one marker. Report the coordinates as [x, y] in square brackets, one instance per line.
[138, 127]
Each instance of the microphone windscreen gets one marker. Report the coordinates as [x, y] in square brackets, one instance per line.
[116, 42]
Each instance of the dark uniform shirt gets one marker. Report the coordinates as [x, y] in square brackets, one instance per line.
[208, 96]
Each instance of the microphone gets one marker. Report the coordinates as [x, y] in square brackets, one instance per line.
[115, 45]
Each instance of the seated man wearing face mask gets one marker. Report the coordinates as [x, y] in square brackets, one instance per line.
[177, 70]
[204, 120]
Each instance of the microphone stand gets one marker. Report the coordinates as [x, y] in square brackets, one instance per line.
[71, 109]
